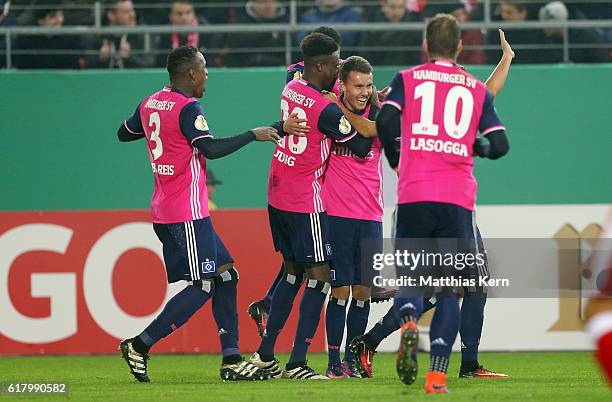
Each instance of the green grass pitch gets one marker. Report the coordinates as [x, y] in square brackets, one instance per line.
[542, 376]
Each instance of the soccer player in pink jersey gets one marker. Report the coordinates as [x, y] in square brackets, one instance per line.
[179, 141]
[474, 300]
[259, 309]
[353, 197]
[437, 189]
[298, 219]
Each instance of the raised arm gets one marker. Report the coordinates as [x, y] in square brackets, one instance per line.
[497, 79]
[363, 125]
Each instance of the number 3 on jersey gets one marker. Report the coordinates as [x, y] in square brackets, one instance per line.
[159, 148]
[299, 146]
[426, 126]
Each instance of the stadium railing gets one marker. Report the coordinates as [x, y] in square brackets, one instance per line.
[289, 29]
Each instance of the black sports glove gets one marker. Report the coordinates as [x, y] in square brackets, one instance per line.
[481, 147]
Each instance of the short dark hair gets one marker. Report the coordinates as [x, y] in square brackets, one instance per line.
[317, 44]
[443, 34]
[51, 6]
[518, 4]
[331, 32]
[354, 63]
[181, 59]
[112, 4]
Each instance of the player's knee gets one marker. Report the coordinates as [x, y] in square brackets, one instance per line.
[341, 292]
[205, 285]
[293, 268]
[320, 272]
[227, 277]
[293, 279]
[321, 286]
[361, 293]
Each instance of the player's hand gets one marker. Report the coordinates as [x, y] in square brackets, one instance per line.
[506, 49]
[374, 98]
[266, 134]
[295, 126]
[481, 147]
[330, 96]
[382, 94]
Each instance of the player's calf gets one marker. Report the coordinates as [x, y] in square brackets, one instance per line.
[335, 318]
[357, 317]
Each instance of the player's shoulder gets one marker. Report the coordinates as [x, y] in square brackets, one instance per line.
[459, 69]
[192, 107]
[296, 66]
[295, 71]
[412, 69]
[408, 72]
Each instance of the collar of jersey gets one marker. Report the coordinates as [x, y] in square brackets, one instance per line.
[172, 89]
[310, 84]
[446, 64]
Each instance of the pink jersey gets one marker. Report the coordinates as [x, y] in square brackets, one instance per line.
[353, 185]
[179, 170]
[298, 163]
[443, 107]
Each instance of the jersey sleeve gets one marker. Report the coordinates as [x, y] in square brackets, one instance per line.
[293, 73]
[134, 123]
[396, 96]
[193, 123]
[489, 121]
[334, 124]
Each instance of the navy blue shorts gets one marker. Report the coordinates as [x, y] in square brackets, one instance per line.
[451, 225]
[426, 220]
[347, 235]
[411, 225]
[300, 237]
[192, 250]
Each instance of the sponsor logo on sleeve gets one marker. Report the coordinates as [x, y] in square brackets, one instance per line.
[344, 126]
[200, 123]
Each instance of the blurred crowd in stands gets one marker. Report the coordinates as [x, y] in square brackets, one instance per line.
[389, 47]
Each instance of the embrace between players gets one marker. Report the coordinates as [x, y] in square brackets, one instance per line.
[325, 196]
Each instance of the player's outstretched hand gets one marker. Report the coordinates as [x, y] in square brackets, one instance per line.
[382, 94]
[506, 49]
[295, 126]
[330, 96]
[266, 134]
